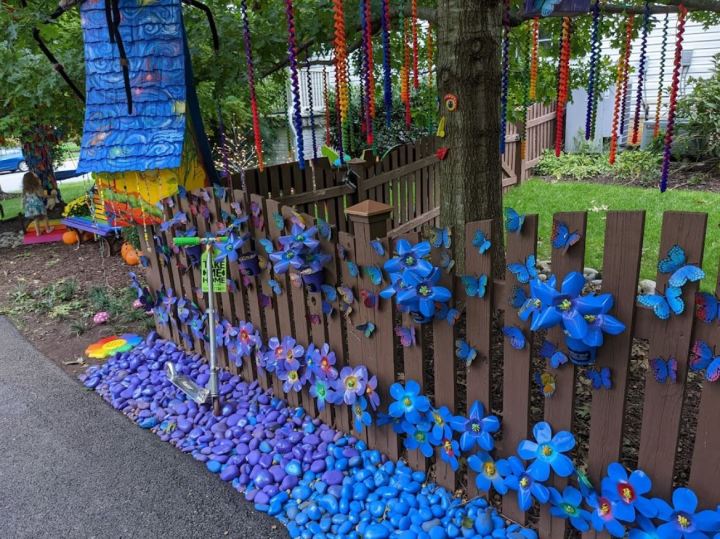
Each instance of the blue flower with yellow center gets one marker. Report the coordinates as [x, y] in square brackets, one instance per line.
[547, 451]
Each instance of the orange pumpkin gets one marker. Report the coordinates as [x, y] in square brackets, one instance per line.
[70, 237]
[125, 248]
[88, 236]
[131, 257]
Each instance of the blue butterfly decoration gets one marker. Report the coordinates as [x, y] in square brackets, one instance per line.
[368, 328]
[475, 286]
[708, 307]
[663, 304]
[444, 312]
[516, 337]
[374, 274]
[556, 357]
[267, 245]
[220, 192]
[562, 238]
[524, 272]
[518, 297]
[664, 369]
[545, 7]
[279, 220]
[675, 259]
[446, 262]
[378, 247]
[465, 352]
[324, 229]
[686, 274]
[702, 357]
[353, 268]
[600, 378]
[481, 242]
[327, 309]
[439, 237]
[513, 220]
[329, 292]
[275, 287]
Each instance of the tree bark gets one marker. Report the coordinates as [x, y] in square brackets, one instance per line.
[468, 66]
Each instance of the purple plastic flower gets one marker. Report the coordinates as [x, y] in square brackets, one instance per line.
[628, 491]
[568, 506]
[169, 299]
[408, 401]
[443, 424]
[421, 292]
[290, 375]
[228, 250]
[449, 451]
[319, 390]
[162, 315]
[478, 429]
[350, 385]
[371, 392]
[547, 451]
[248, 338]
[418, 437]
[183, 312]
[681, 521]
[361, 417]
[300, 238]
[197, 326]
[487, 473]
[604, 517]
[517, 478]
[410, 257]
[323, 362]
[282, 260]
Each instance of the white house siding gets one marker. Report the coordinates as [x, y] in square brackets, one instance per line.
[699, 46]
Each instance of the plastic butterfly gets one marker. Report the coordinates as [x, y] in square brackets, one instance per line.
[464, 351]
[481, 242]
[518, 297]
[600, 378]
[545, 7]
[446, 262]
[295, 280]
[236, 207]
[378, 247]
[352, 268]
[663, 305]
[702, 357]
[267, 245]
[346, 294]
[219, 192]
[524, 272]
[686, 273]
[327, 309]
[530, 307]
[553, 354]
[406, 334]
[664, 369]
[708, 307]
[513, 220]
[329, 292]
[562, 238]
[369, 299]
[374, 274]
[368, 328]
[264, 300]
[275, 287]
[444, 312]
[516, 336]
[676, 258]
[475, 286]
[439, 237]
[324, 229]
[204, 195]
[279, 220]
[546, 382]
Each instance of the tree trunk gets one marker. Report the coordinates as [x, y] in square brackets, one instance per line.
[468, 66]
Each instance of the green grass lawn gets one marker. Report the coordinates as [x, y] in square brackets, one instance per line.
[68, 190]
[545, 199]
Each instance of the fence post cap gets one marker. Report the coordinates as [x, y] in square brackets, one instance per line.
[368, 208]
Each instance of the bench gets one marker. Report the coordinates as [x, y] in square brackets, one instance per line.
[108, 233]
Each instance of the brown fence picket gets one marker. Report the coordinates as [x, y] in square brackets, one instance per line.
[192, 275]
[671, 338]
[559, 409]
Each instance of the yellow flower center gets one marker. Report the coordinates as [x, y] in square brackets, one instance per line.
[565, 305]
[292, 376]
[569, 509]
[590, 318]
[604, 507]
[350, 382]
[407, 401]
[683, 521]
[547, 450]
[447, 447]
[524, 481]
[489, 468]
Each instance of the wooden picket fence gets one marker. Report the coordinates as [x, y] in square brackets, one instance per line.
[637, 422]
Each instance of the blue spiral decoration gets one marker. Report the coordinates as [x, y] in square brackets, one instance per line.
[312, 112]
[387, 72]
[295, 82]
[590, 112]
[641, 72]
[505, 73]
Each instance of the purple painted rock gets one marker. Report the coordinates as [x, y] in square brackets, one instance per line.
[289, 482]
[318, 466]
[262, 478]
[229, 473]
[332, 477]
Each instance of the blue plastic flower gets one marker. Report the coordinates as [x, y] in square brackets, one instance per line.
[598, 324]
[604, 517]
[568, 506]
[300, 238]
[361, 417]
[197, 326]
[395, 422]
[350, 385]
[681, 521]
[443, 423]
[547, 451]
[628, 491]
[645, 530]
[371, 392]
[248, 338]
[282, 260]
[520, 480]
[169, 298]
[449, 451]
[323, 363]
[487, 473]
[290, 375]
[161, 314]
[228, 250]
[418, 437]
[421, 292]
[409, 256]
[319, 390]
[478, 429]
[408, 401]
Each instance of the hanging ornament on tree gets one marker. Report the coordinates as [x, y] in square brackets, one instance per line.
[534, 36]
[641, 74]
[682, 14]
[505, 75]
[370, 57]
[429, 51]
[295, 82]
[387, 71]
[546, 8]
[593, 71]
[661, 77]
[366, 87]
[311, 106]
[251, 86]
[405, 74]
[415, 45]
[626, 72]
[341, 66]
[619, 81]
[563, 84]
[326, 100]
